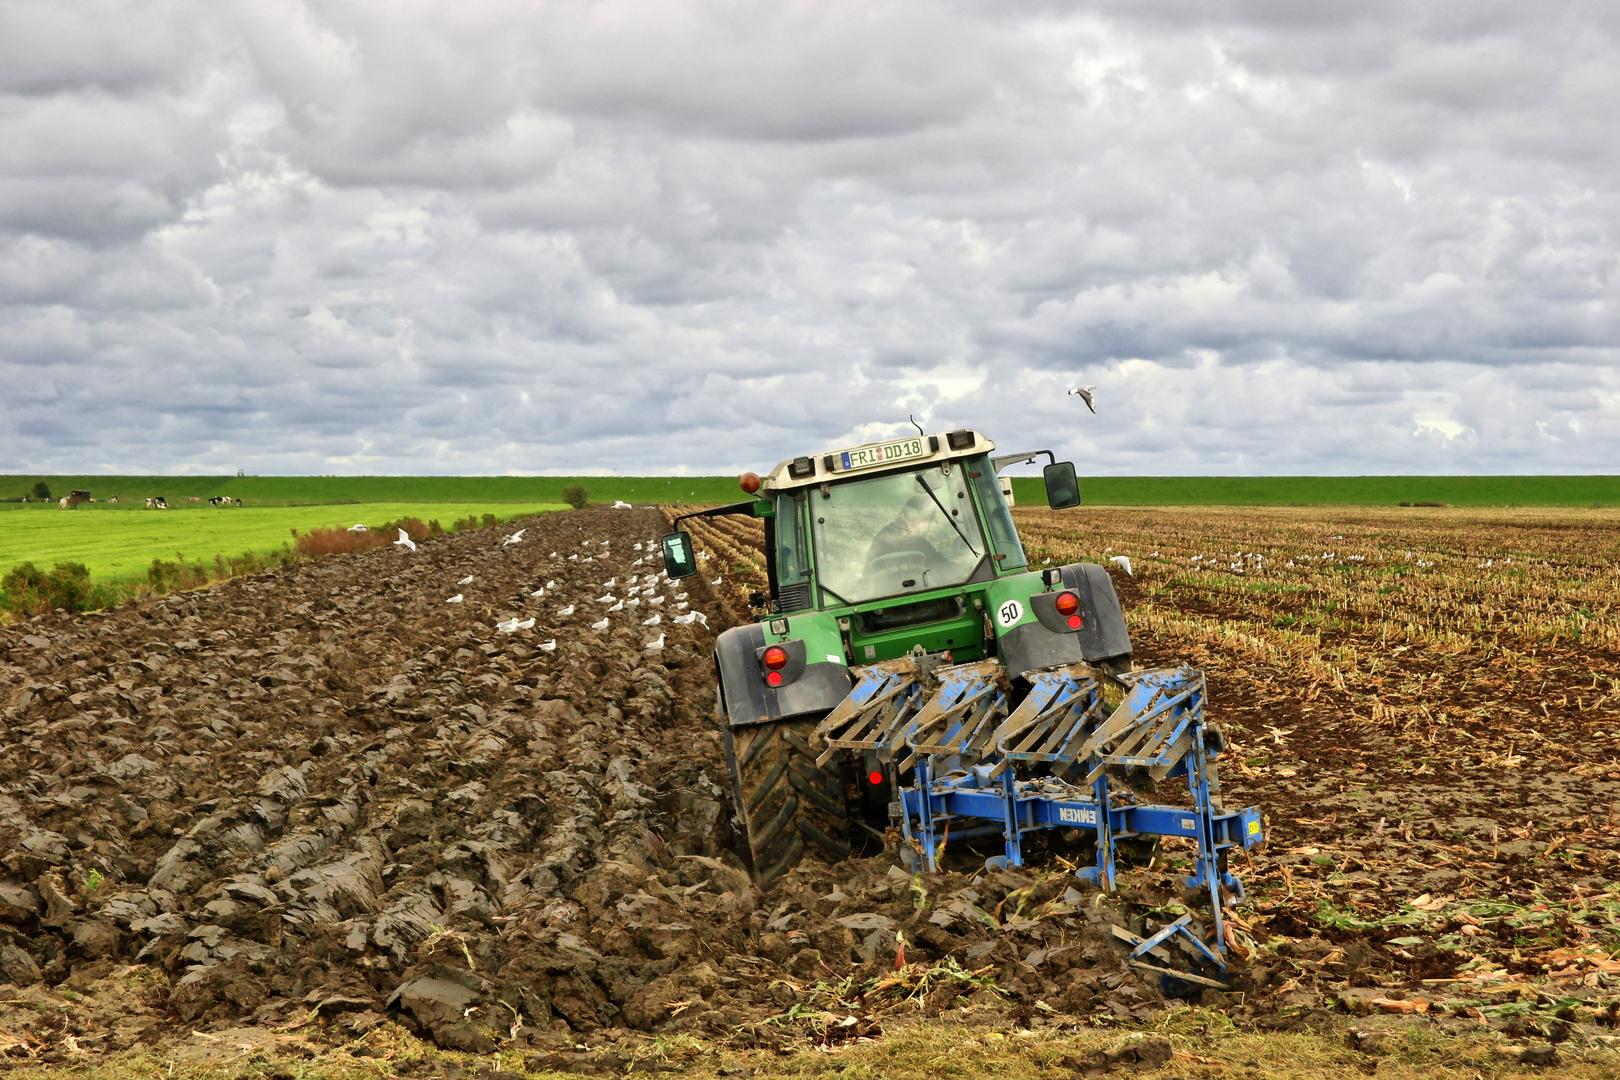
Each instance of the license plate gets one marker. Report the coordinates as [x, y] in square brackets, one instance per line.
[882, 453]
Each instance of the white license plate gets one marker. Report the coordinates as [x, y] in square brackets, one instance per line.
[882, 453]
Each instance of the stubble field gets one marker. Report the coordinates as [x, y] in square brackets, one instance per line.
[296, 816]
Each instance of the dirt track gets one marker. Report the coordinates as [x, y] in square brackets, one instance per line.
[326, 788]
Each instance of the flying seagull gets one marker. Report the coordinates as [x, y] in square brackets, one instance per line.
[405, 541]
[357, 527]
[515, 538]
[1086, 395]
[1123, 562]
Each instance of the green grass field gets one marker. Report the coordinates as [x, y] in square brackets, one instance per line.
[1573, 491]
[288, 490]
[115, 544]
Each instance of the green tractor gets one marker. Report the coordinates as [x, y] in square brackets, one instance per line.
[901, 553]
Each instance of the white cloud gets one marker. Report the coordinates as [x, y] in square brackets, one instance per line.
[638, 236]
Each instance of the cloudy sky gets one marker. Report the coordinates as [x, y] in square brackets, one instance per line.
[1288, 236]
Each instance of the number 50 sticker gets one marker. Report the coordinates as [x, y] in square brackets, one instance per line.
[1009, 613]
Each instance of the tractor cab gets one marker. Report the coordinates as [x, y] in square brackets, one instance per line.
[898, 538]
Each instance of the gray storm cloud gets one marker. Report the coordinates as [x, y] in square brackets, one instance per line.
[649, 237]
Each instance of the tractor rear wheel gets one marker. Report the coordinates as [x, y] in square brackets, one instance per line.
[786, 804]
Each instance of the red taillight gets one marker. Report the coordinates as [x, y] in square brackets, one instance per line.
[775, 658]
[1074, 622]
[1066, 603]
[773, 678]
[876, 777]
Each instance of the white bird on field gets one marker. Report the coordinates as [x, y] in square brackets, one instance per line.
[680, 606]
[716, 581]
[638, 562]
[684, 620]
[654, 621]
[405, 541]
[610, 582]
[655, 600]
[456, 599]
[515, 538]
[656, 645]
[573, 558]
[565, 612]
[636, 546]
[553, 555]
[1087, 395]
[620, 504]
[606, 598]
[357, 527]
[551, 583]
[468, 580]
[617, 607]
[602, 625]
[549, 646]
[1123, 562]
[513, 625]
[680, 596]
[541, 591]
[634, 601]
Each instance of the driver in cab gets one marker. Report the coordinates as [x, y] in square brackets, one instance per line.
[904, 535]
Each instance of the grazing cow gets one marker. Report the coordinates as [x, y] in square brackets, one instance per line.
[113, 499]
[63, 502]
[224, 500]
[157, 503]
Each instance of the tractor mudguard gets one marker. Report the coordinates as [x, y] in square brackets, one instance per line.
[1047, 643]
[746, 698]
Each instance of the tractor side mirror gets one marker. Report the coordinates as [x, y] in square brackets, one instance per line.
[679, 562]
[1062, 489]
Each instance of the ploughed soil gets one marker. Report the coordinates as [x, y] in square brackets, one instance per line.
[325, 796]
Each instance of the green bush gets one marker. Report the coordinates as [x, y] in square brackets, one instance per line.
[42, 490]
[31, 591]
[576, 496]
[490, 521]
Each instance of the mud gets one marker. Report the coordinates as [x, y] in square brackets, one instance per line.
[324, 796]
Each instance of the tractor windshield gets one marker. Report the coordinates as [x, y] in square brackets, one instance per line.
[900, 533]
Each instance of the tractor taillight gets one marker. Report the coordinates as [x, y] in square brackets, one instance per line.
[773, 678]
[775, 659]
[876, 777]
[1066, 603]
[749, 482]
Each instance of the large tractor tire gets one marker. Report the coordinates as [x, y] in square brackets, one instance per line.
[787, 806]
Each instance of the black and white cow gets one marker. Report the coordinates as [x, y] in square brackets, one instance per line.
[157, 503]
